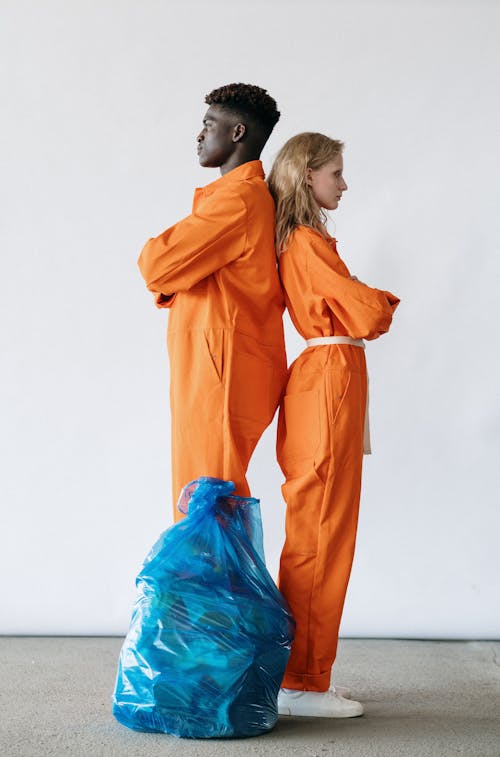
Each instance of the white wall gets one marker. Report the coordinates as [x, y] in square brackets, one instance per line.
[101, 104]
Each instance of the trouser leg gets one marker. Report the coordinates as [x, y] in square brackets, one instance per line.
[322, 511]
[208, 450]
[220, 406]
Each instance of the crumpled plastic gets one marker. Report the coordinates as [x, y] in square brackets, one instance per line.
[210, 633]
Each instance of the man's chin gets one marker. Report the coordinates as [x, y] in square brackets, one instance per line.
[206, 162]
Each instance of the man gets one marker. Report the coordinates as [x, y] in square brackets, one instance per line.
[216, 271]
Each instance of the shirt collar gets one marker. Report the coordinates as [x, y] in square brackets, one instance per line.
[243, 172]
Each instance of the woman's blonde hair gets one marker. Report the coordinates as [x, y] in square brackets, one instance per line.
[295, 204]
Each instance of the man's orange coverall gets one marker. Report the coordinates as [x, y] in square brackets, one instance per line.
[216, 271]
[320, 445]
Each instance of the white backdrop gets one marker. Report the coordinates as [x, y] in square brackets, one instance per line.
[101, 104]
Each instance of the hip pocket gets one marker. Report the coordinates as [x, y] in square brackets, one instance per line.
[299, 432]
[214, 340]
[251, 384]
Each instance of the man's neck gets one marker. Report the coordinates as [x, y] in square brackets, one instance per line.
[237, 160]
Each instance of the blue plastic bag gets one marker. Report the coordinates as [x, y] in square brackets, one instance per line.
[210, 633]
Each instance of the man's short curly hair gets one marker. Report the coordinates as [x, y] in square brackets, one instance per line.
[247, 100]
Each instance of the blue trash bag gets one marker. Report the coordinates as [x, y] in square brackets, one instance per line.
[210, 633]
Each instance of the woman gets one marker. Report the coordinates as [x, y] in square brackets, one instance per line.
[321, 429]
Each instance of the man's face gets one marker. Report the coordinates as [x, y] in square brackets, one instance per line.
[215, 140]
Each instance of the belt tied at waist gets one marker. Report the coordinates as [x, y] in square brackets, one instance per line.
[318, 341]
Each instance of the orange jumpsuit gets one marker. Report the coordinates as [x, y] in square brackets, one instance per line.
[320, 445]
[216, 271]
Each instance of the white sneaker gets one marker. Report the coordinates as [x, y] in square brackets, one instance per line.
[317, 704]
[341, 691]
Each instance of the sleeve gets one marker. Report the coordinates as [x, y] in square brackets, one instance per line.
[208, 239]
[365, 312]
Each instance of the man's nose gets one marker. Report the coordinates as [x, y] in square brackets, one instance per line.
[200, 136]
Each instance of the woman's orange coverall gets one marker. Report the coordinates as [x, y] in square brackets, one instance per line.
[320, 445]
[216, 270]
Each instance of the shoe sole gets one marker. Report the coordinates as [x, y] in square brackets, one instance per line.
[287, 712]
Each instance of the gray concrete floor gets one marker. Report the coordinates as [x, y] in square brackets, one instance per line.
[427, 699]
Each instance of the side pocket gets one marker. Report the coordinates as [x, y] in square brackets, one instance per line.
[299, 432]
[214, 339]
[251, 383]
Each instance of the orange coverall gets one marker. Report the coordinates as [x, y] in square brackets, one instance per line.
[216, 271]
[320, 445]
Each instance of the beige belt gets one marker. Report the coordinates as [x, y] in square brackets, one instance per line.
[320, 340]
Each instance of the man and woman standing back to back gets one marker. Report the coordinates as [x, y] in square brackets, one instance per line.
[216, 270]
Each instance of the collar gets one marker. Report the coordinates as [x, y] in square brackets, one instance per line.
[331, 240]
[248, 170]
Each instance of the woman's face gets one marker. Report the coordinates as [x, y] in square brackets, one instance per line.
[327, 183]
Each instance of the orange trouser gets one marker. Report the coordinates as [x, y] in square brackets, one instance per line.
[225, 388]
[320, 450]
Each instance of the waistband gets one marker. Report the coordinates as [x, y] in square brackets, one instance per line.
[320, 340]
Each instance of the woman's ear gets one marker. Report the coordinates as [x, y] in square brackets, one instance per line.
[309, 177]
[239, 132]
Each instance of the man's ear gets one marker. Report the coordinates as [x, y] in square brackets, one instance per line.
[239, 132]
